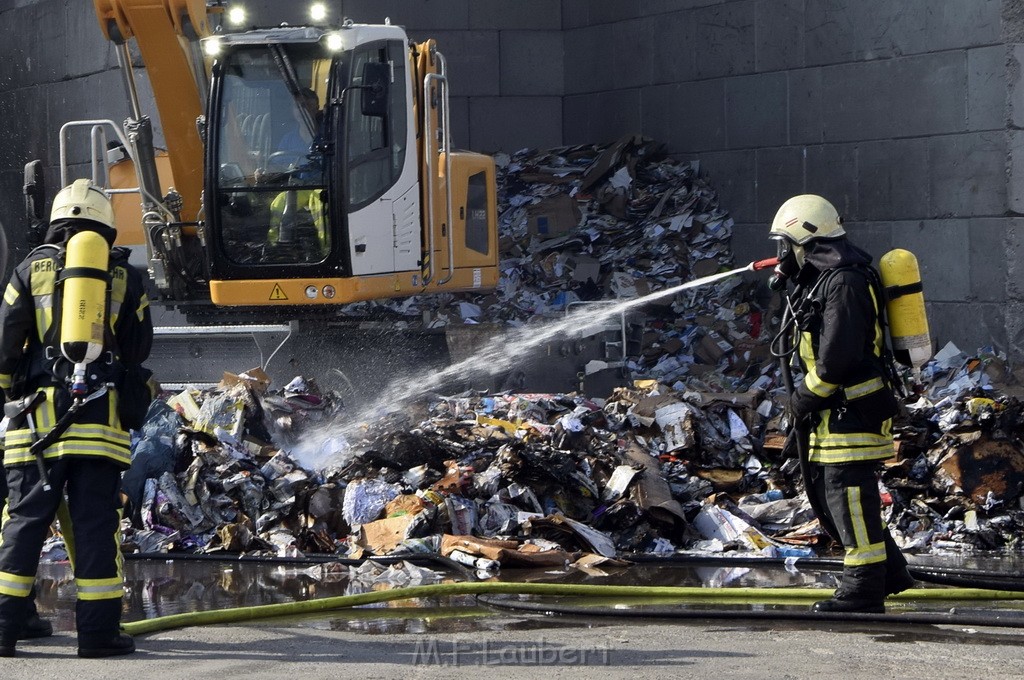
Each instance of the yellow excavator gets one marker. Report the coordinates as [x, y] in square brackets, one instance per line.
[304, 165]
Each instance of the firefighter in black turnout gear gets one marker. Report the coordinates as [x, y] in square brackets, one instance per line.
[68, 406]
[34, 626]
[844, 405]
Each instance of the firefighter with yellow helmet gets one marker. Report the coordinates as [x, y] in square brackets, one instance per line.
[845, 403]
[75, 320]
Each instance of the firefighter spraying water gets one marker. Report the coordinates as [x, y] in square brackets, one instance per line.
[834, 326]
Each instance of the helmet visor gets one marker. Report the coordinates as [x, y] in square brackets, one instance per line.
[783, 248]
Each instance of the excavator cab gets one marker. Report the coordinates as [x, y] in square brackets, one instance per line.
[271, 184]
[314, 186]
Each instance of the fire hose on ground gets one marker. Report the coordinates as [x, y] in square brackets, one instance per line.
[622, 596]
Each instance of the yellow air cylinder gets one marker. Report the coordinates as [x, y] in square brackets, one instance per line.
[908, 321]
[84, 306]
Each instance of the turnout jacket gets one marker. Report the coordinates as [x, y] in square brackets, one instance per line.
[30, 359]
[841, 350]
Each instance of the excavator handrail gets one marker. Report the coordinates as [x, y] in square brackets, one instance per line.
[428, 152]
[99, 157]
[428, 178]
[446, 131]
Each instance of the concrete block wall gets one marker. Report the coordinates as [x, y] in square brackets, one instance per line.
[907, 115]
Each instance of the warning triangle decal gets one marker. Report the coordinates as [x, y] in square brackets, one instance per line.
[278, 293]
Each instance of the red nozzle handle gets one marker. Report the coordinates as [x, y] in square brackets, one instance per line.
[758, 265]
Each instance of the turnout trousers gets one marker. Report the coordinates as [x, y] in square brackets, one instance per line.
[94, 506]
[848, 494]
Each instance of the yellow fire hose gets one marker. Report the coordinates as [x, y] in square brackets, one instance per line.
[692, 594]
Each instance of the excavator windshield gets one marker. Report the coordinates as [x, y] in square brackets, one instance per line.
[270, 146]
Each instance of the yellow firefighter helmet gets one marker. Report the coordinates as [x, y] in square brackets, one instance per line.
[82, 200]
[806, 217]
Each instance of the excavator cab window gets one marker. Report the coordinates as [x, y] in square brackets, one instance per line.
[375, 123]
[272, 174]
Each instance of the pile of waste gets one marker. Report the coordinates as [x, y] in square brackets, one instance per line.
[587, 223]
[957, 479]
[688, 457]
[487, 480]
[515, 480]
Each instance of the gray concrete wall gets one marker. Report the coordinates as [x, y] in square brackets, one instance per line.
[907, 115]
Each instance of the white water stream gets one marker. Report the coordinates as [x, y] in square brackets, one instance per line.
[499, 354]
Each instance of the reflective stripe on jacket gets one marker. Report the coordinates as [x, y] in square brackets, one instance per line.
[841, 351]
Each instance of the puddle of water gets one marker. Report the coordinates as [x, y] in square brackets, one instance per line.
[417, 621]
[161, 588]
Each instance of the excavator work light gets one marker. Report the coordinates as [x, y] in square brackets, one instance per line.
[236, 15]
[212, 47]
[318, 12]
[334, 42]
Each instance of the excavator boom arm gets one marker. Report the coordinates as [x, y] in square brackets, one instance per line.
[163, 30]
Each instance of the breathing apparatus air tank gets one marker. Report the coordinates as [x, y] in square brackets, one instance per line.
[84, 305]
[908, 321]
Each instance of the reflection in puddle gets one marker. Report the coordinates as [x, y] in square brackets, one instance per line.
[160, 588]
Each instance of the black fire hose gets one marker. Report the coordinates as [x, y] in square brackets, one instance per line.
[938, 575]
[956, 616]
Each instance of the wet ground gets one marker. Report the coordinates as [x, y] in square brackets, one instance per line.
[157, 588]
[463, 637]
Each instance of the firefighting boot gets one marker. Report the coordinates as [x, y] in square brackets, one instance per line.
[97, 647]
[35, 627]
[862, 589]
[11, 609]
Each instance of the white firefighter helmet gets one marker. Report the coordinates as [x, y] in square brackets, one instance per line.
[806, 217]
[82, 200]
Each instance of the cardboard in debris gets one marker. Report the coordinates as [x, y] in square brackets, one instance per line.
[676, 423]
[185, 405]
[508, 553]
[553, 216]
[586, 269]
[406, 504]
[645, 411]
[986, 471]
[652, 492]
[254, 377]
[721, 479]
[711, 348]
[383, 535]
[611, 157]
[564, 528]
[618, 483]
[705, 268]
[596, 565]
